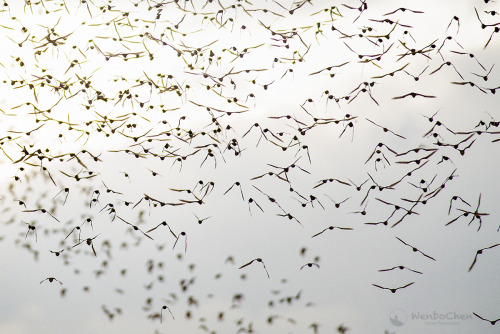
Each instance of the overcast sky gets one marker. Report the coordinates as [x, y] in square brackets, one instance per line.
[148, 99]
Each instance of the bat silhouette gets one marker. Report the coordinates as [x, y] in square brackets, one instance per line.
[479, 252]
[401, 268]
[165, 307]
[393, 290]
[493, 322]
[331, 228]
[413, 95]
[258, 260]
[51, 279]
[309, 265]
[416, 250]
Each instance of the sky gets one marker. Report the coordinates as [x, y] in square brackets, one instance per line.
[183, 147]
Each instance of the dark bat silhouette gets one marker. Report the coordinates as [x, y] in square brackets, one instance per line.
[393, 290]
[403, 10]
[479, 252]
[165, 307]
[401, 268]
[258, 260]
[413, 95]
[493, 322]
[331, 228]
[51, 279]
[416, 250]
[309, 265]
